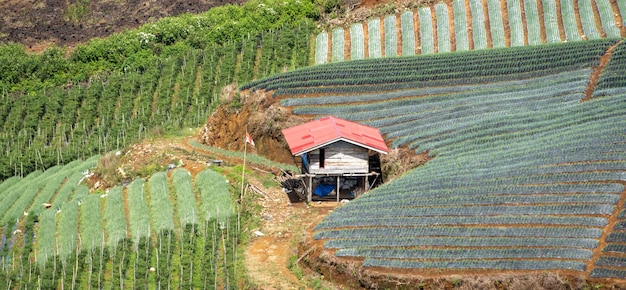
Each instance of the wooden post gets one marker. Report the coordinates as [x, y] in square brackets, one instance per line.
[310, 189]
[338, 186]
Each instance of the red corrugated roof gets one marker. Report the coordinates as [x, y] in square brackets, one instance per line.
[312, 135]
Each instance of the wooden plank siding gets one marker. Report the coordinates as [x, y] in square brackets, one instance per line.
[339, 158]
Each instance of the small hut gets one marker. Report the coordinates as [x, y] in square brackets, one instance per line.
[336, 156]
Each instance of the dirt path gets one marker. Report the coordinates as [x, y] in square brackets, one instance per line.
[597, 72]
[267, 256]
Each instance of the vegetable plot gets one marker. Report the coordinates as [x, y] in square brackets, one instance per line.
[408, 33]
[523, 175]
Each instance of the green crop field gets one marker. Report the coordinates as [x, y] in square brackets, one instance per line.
[85, 242]
[524, 28]
[524, 175]
[520, 113]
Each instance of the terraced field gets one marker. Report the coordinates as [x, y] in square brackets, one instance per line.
[491, 24]
[528, 167]
[110, 240]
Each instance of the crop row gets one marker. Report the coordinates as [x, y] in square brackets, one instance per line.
[138, 213]
[391, 44]
[618, 248]
[479, 264]
[496, 24]
[408, 33]
[479, 210]
[460, 25]
[337, 45]
[480, 200]
[443, 28]
[374, 43]
[607, 273]
[532, 22]
[457, 231]
[398, 221]
[357, 42]
[550, 21]
[161, 209]
[479, 32]
[186, 197]
[427, 41]
[515, 22]
[469, 253]
[408, 241]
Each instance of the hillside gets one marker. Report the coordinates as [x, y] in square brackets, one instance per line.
[507, 168]
[527, 167]
[39, 24]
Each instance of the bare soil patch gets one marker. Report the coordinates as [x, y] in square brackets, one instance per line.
[39, 24]
[487, 24]
[470, 34]
[505, 21]
[579, 24]
[418, 33]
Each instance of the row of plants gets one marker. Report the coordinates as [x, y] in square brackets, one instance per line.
[443, 28]
[393, 241]
[460, 231]
[408, 33]
[391, 37]
[357, 42]
[427, 37]
[461, 33]
[496, 264]
[471, 220]
[374, 43]
[478, 29]
[515, 22]
[551, 22]
[532, 22]
[587, 19]
[569, 21]
[461, 254]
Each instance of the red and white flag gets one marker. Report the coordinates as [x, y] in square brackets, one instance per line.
[249, 139]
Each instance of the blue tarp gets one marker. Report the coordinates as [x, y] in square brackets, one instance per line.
[324, 189]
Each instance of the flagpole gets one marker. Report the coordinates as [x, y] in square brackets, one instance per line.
[245, 150]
